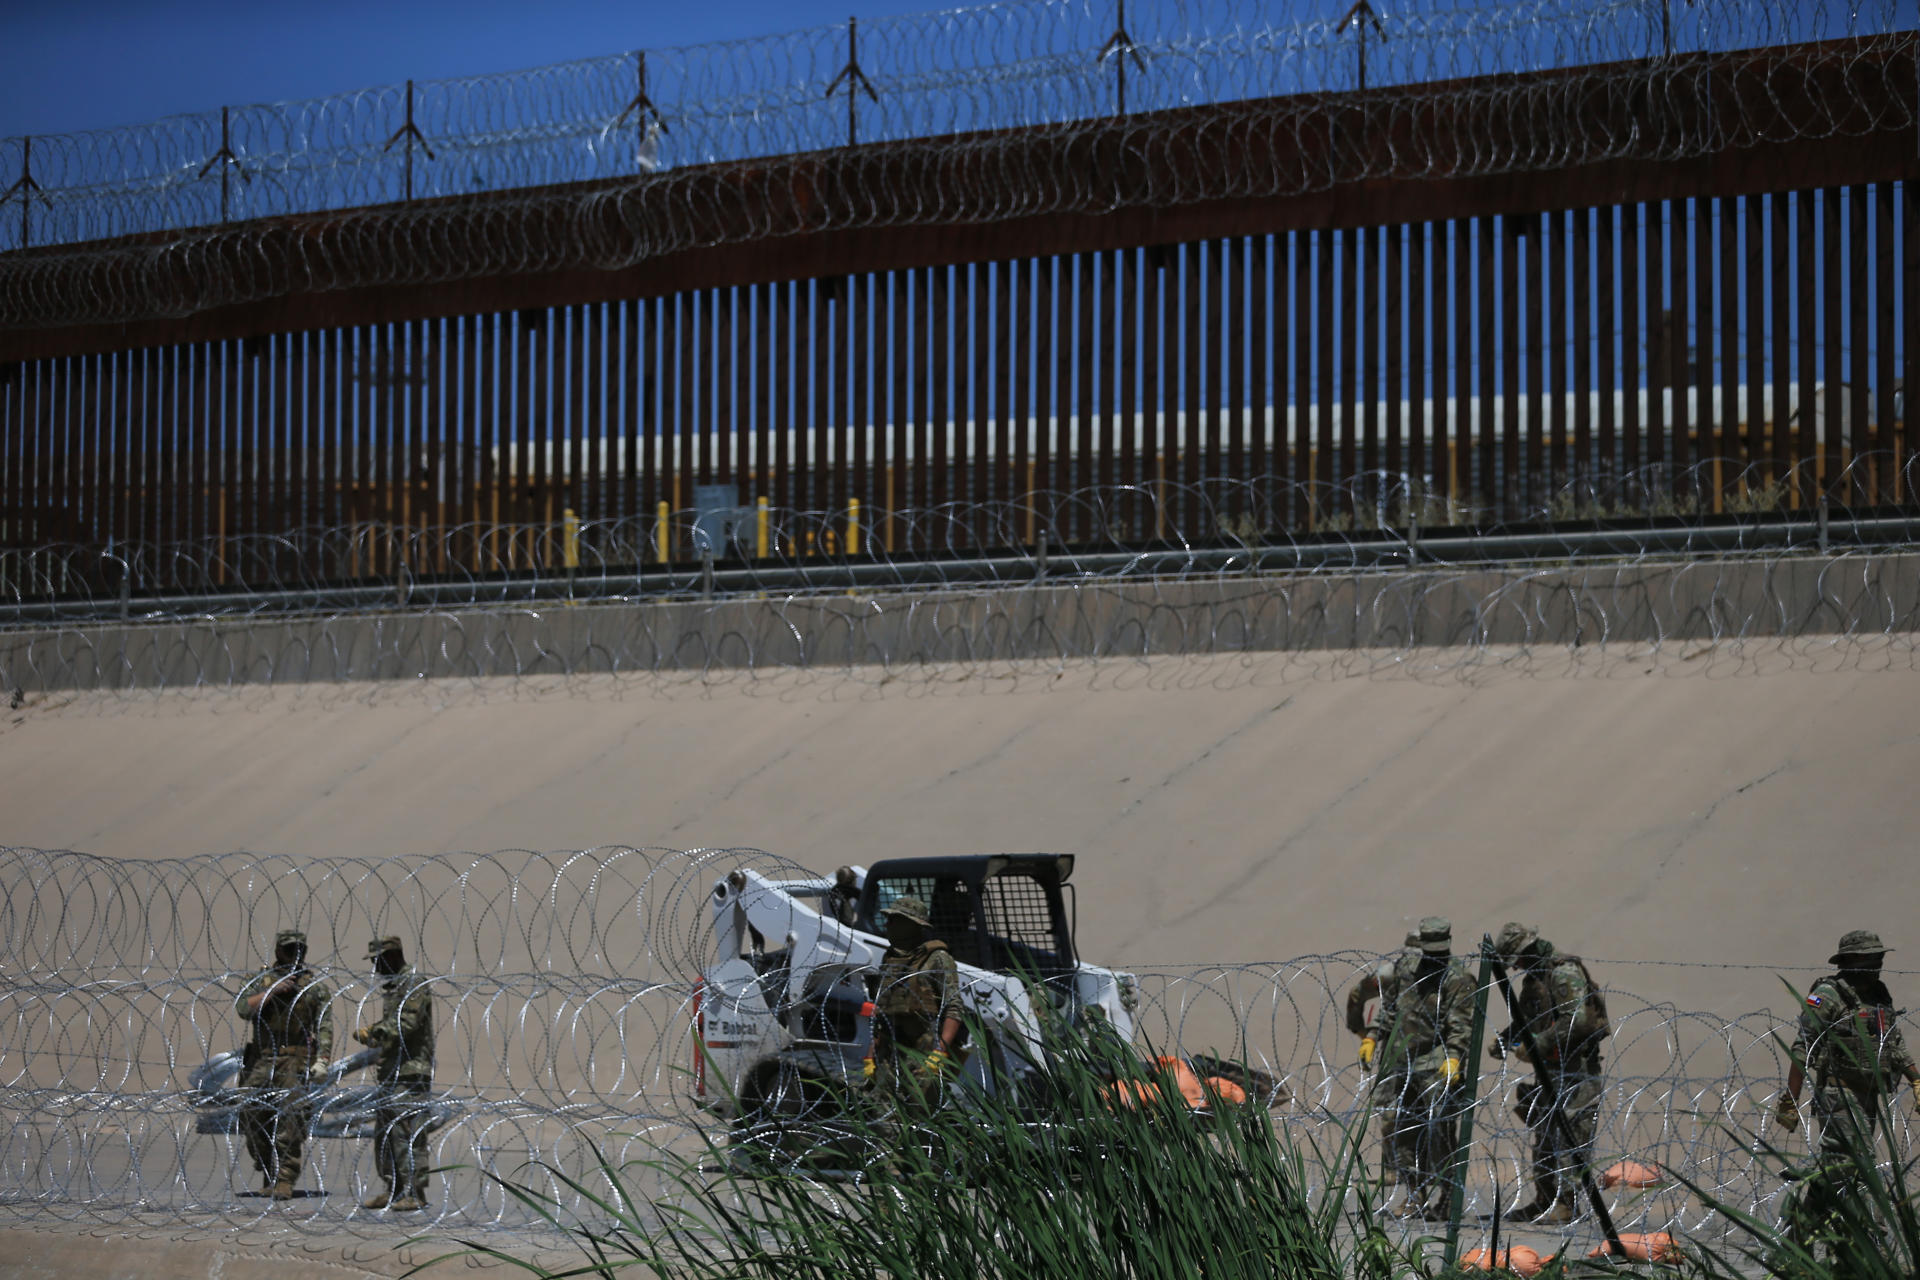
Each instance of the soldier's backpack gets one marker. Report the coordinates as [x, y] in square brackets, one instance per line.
[1855, 1042]
[1599, 1029]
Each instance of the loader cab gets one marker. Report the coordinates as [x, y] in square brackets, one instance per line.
[1005, 912]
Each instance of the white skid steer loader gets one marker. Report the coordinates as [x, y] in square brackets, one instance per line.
[784, 1015]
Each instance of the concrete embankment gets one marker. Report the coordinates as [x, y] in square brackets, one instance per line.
[1857, 594]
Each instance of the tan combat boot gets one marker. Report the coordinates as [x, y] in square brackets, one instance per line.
[412, 1202]
[282, 1190]
[378, 1200]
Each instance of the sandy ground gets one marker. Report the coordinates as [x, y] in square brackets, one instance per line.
[1697, 823]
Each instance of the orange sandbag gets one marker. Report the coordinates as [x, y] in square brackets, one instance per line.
[1631, 1173]
[1131, 1093]
[1225, 1090]
[1184, 1080]
[1198, 1093]
[1519, 1260]
[1650, 1246]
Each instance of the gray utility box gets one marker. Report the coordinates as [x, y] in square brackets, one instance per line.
[721, 526]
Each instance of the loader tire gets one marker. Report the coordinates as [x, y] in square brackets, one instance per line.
[788, 1118]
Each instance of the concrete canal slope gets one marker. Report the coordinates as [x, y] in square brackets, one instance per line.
[1710, 805]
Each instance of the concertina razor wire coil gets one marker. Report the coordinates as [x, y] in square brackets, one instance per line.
[564, 984]
[607, 162]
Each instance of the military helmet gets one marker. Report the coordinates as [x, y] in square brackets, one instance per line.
[1436, 935]
[1858, 942]
[380, 946]
[910, 907]
[289, 938]
[1514, 938]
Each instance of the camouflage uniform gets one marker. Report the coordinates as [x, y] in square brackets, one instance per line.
[1850, 1045]
[404, 1037]
[1561, 1006]
[1370, 982]
[918, 991]
[292, 1041]
[1369, 986]
[1424, 1020]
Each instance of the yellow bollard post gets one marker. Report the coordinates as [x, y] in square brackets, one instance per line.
[662, 533]
[569, 546]
[760, 536]
[853, 526]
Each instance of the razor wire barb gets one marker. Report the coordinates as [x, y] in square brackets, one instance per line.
[564, 985]
[633, 155]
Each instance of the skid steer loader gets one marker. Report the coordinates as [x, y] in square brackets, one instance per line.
[783, 1017]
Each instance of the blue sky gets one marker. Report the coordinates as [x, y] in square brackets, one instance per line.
[92, 64]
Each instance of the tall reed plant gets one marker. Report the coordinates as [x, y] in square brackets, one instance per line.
[1857, 1220]
[1094, 1167]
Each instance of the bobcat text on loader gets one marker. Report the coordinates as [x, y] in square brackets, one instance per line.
[784, 1014]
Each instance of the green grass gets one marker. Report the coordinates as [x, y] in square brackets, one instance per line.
[1065, 1185]
[990, 1186]
[1872, 1232]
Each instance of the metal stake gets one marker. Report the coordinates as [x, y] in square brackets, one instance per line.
[1457, 1161]
[856, 80]
[1365, 16]
[227, 161]
[412, 134]
[640, 108]
[1120, 47]
[26, 186]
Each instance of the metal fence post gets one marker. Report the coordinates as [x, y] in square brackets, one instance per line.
[856, 81]
[25, 188]
[1457, 1175]
[1120, 47]
[411, 134]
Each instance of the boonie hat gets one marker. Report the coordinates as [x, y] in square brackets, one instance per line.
[380, 946]
[1858, 942]
[910, 907]
[289, 938]
[1436, 935]
[1514, 938]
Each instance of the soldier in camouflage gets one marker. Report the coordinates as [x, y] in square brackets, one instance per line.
[290, 1012]
[1416, 1041]
[1850, 1043]
[1562, 1008]
[1366, 989]
[404, 1037]
[916, 1025]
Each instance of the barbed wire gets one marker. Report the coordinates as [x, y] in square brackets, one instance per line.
[967, 115]
[564, 986]
[1158, 570]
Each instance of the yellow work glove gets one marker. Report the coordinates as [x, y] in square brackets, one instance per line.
[363, 1035]
[1367, 1046]
[867, 1068]
[1786, 1113]
[937, 1062]
[1450, 1072]
[317, 1070]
